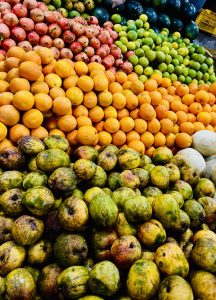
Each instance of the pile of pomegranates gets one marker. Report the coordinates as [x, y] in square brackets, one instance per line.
[29, 24]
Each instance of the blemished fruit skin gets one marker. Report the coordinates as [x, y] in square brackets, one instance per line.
[31, 145]
[52, 159]
[203, 284]
[56, 142]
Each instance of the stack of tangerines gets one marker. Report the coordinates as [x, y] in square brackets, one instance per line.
[92, 106]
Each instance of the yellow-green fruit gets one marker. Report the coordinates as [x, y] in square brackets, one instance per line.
[138, 210]
[30, 145]
[128, 159]
[204, 285]
[184, 189]
[39, 253]
[47, 282]
[85, 169]
[2, 288]
[171, 260]
[148, 255]
[205, 187]
[121, 195]
[143, 280]
[11, 180]
[91, 298]
[123, 227]
[5, 229]
[160, 177]
[204, 233]
[56, 142]
[152, 233]
[91, 193]
[178, 197]
[162, 155]
[52, 159]
[10, 203]
[174, 172]
[86, 152]
[36, 178]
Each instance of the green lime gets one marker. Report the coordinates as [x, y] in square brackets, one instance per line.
[206, 76]
[185, 71]
[199, 75]
[138, 44]
[170, 68]
[140, 32]
[143, 78]
[178, 70]
[183, 51]
[148, 71]
[123, 48]
[116, 19]
[57, 3]
[144, 18]
[188, 79]
[181, 78]
[117, 27]
[173, 53]
[186, 41]
[204, 67]
[124, 40]
[158, 41]
[148, 41]
[132, 35]
[195, 81]
[175, 62]
[191, 50]
[145, 48]
[200, 58]
[131, 46]
[201, 81]
[168, 59]
[192, 73]
[143, 61]
[150, 55]
[139, 52]
[180, 58]
[51, 7]
[122, 33]
[186, 61]
[134, 60]
[176, 34]
[211, 70]
[124, 28]
[160, 56]
[139, 23]
[173, 77]
[200, 50]
[146, 25]
[157, 72]
[212, 78]
[131, 27]
[138, 69]
[166, 75]
[165, 49]
[195, 65]
[162, 67]
[153, 35]
[118, 43]
[73, 13]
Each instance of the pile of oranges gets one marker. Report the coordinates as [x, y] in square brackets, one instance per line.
[92, 106]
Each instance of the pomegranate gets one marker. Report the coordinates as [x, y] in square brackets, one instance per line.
[37, 15]
[20, 10]
[58, 43]
[4, 5]
[104, 36]
[46, 41]
[13, 2]
[30, 4]
[68, 37]
[10, 19]
[6, 44]
[78, 29]
[127, 67]
[103, 51]
[25, 45]
[82, 57]
[49, 17]
[108, 61]
[129, 53]
[115, 51]
[95, 43]
[108, 24]
[80, 20]
[18, 34]
[6, 11]
[66, 53]
[35, 48]
[93, 20]
[89, 32]
[3, 53]
[55, 52]
[114, 35]
[57, 15]
[4, 31]
[64, 24]
[96, 58]
[41, 28]
[42, 6]
[27, 24]
[54, 30]
[83, 40]
[113, 69]
[119, 62]
[33, 38]
[89, 51]
[75, 47]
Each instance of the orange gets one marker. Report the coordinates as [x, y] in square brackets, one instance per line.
[110, 112]
[191, 117]
[45, 54]
[119, 138]
[17, 131]
[85, 83]
[181, 117]
[119, 100]
[154, 126]
[50, 68]
[5, 144]
[11, 62]
[32, 56]
[213, 108]
[150, 85]
[206, 107]
[212, 88]
[96, 72]
[40, 132]
[137, 87]
[90, 100]
[144, 98]
[166, 126]
[67, 123]
[6, 98]
[166, 82]
[175, 128]
[195, 108]
[13, 73]
[72, 138]
[193, 88]
[53, 80]
[171, 90]
[157, 77]
[149, 151]
[121, 77]
[138, 146]
[81, 68]
[83, 121]
[75, 95]
[122, 113]
[32, 118]
[62, 106]
[147, 111]
[172, 116]
[176, 83]
[211, 99]
[161, 112]
[183, 140]
[204, 117]
[176, 105]
[156, 98]
[43, 102]
[4, 86]
[105, 98]
[126, 124]
[188, 99]
[168, 98]
[186, 127]
[80, 111]
[105, 138]
[63, 68]
[147, 138]
[19, 84]
[110, 75]
[132, 135]
[3, 131]
[140, 125]
[132, 77]
[202, 97]
[132, 101]
[170, 140]
[23, 100]
[70, 81]
[213, 118]
[115, 87]
[182, 90]
[29, 70]
[134, 114]
[204, 87]
[95, 66]
[9, 115]
[87, 135]
[185, 108]
[56, 92]
[99, 126]
[126, 85]
[163, 91]
[16, 51]
[111, 125]
[57, 132]
[39, 87]
[96, 114]
[101, 83]
[159, 139]
[209, 127]
[51, 123]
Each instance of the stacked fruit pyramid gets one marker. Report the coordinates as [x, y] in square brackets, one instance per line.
[96, 202]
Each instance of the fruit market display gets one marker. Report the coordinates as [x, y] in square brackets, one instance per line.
[91, 106]
[107, 224]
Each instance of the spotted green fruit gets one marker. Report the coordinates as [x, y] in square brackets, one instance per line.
[138, 209]
[86, 152]
[144, 161]
[174, 287]
[99, 179]
[128, 179]
[56, 142]
[38, 200]
[104, 279]
[91, 193]
[12, 159]
[184, 189]
[171, 260]
[27, 230]
[161, 155]
[12, 257]
[52, 159]
[184, 222]
[128, 159]
[151, 191]
[20, 282]
[10, 203]
[174, 172]
[195, 212]
[189, 175]
[91, 298]
[121, 195]
[36, 178]
[39, 253]
[160, 177]
[179, 161]
[107, 160]
[103, 211]
[102, 241]
[152, 233]
[73, 282]
[143, 176]
[32, 165]
[85, 169]
[5, 229]
[209, 206]
[113, 180]
[30, 145]
[11, 180]
[34, 272]
[2, 287]
[203, 284]
[205, 187]
[178, 197]
[123, 227]
[143, 280]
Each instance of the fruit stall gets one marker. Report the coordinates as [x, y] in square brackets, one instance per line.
[107, 151]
